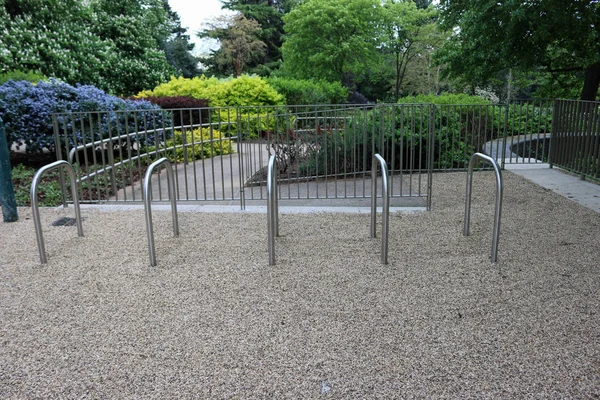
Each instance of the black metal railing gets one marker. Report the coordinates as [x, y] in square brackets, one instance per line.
[322, 151]
[576, 138]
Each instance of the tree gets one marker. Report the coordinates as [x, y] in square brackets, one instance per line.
[330, 39]
[422, 75]
[423, 3]
[178, 47]
[114, 45]
[554, 36]
[137, 29]
[269, 14]
[403, 38]
[179, 57]
[35, 39]
[239, 41]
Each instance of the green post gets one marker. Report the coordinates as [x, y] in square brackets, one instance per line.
[7, 191]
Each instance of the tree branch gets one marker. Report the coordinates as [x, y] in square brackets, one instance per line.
[569, 69]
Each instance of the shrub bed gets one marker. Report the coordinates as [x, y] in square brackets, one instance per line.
[27, 110]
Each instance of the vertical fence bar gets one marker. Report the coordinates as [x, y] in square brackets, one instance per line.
[272, 209]
[431, 152]
[59, 156]
[240, 148]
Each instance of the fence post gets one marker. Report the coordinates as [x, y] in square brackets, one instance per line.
[430, 154]
[552, 130]
[7, 190]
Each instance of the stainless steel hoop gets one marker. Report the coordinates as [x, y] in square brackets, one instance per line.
[385, 212]
[498, 208]
[35, 208]
[148, 200]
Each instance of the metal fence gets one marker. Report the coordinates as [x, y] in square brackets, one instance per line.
[323, 152]
[576, 138]
[518, 133]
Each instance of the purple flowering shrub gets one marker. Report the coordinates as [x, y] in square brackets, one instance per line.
[86, 114]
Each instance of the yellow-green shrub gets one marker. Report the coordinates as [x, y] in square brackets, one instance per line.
[243, 91]
[194, 145]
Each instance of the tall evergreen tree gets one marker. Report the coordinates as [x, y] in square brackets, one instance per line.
[239, 41]
[268, 14]
[178, 47]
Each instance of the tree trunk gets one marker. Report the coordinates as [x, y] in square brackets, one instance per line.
[591, 82]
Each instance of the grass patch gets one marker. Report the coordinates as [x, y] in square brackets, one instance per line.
[48, 190]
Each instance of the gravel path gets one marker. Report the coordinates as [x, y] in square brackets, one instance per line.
[213, 320]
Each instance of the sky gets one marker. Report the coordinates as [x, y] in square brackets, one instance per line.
[193, 14]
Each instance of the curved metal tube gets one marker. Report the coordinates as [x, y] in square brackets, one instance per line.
[35, 208]
[148, 200]
[386, 204]
[272, 208]
[496, 234]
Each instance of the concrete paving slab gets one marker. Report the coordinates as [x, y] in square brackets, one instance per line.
[561, 182]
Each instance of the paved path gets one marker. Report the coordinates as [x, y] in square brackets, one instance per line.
[561, 182]
[570, 186]
[213, 179]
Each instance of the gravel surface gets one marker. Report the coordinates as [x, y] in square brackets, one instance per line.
[213, 320]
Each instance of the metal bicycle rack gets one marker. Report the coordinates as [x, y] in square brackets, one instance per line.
[273, 206]
[496, 234]
[377, 159]
[147, 193]
[35, 207]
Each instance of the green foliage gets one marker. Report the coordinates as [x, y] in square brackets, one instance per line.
[249, 91]
[178, 47]
[179, 57]
[463, 123]
[113, 45]
[245, 91]
[239, 42]
[269, 15]
[32, 77]
[554, 36]
[193, 145]
[304, 91]
[49, 193]
[330, 39]
[447, 98]
[242, 91]
[404, 35]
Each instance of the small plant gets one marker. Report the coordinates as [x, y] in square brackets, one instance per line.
[49, 193]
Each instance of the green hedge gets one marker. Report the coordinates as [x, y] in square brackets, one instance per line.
[243, 91]
[32, 77]
[252, 93]
[301, 91]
